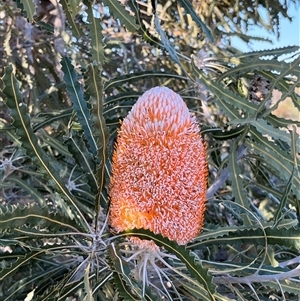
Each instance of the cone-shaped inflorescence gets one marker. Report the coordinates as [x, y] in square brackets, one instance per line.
[159, 170]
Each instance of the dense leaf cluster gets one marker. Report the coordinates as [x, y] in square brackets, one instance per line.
[70, 71]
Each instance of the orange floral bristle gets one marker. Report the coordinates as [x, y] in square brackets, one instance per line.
[159, 170]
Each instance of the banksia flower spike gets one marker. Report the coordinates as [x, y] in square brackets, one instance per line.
[159, 170]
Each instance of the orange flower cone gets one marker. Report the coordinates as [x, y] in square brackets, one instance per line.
[159, 170]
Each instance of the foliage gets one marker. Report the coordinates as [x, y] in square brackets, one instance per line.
[68, 76]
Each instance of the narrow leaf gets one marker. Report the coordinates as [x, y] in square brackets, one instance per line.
[29, 140]
[119, 12]
[95, 34]
[79, 103]
[188, 7]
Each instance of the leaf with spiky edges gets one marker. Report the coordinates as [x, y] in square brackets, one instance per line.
[259, 64]
[34, 193]
[41, 120]
[275, 158]
[283, 86]
[119, 12]
[282, 235]
[195, 268]
[127, 287]
[79, 103]
[143, 31]
[28, 7]
[116, 107]
[59, 288]
[237, 186]
[38, 279]
[123, 79]
[22, 122]
[84, 159]
[188, 7]
[165, 41]
[266, 52]
[95, 34]
[221, 134]
[281, 122]
[49, 140]
[226, 98]
[71, 9]
[286, 285]
[17, 216]
[94, 89]
[265, 129]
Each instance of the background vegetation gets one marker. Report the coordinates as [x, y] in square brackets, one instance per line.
[70, 70]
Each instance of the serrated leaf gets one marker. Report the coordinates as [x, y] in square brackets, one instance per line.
[282, 236]
[237, 186]
[95, 90]
[122, 278]
[226, 98]
[34, 193]
[165, 41]
[17, 216]
[79, 103]
[283, 199]
[265, 129]
[119, 12]
[266, 52]
[258, 65]
[83, 158]
[221, 134]
[195, 268]
[29, 140]
[143, 31]
[274, 157]
[121, 80]
[44, 119]
[188, 7]
[52, 142]
[71, 9]
[29, 8]
[95, 35]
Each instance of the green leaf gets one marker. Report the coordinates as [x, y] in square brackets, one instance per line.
[274, 157]
[258, 65]
[79, 103]
[122, 277]
[282, 235]
[84, 159]
[94, 89]
[188, 7]
[128, 78]
[17, 216]
[195, 268]
[71, 9]
[29, 140]
[265, 129]
[226, 98]
[283, 199]
[29, 8]
[143, 31]
[237, 186]
[165, 41]
[43, 119]
[95, 34]
[119, 12]
[33, 192]
[266, 52]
